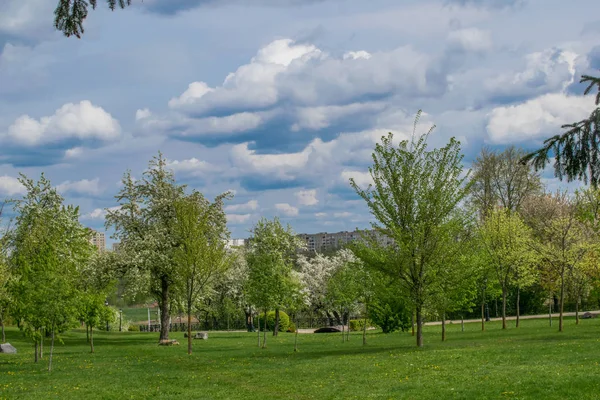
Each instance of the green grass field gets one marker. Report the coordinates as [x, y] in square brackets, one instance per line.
[532, 362]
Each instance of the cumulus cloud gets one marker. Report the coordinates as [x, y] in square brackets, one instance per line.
[545, 71]
[251, 205]
[191, 167]
[362, 179]
[30, 19]
[10, 186]
[470, 39]
[307, 197]
[535, 118]
[238, 218]
[82, 121]
[98, 213]
[84, 187]
[286, 209]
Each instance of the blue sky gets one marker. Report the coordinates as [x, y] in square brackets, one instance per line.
[280, 101]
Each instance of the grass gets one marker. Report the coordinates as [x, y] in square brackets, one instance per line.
[532, 362]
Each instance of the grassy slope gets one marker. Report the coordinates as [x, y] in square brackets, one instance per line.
[532, 362]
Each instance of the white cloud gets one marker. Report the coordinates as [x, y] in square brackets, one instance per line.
[320, 215]
[470, 39]
[307, 197]
[538, 117]
[344, 214]
[286, 209]
[251, 205]
[191, 167]
[82, 187]
[98, 213]
[238, 218]
[10, 186]
[142, 114]
[356, 55]
[545, 71]
[79, 121]
[362, 179]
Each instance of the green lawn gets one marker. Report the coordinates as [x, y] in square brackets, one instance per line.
[532, 362]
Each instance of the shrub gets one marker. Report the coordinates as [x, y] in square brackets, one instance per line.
[390, 316]
[358, 324]
[284, 321]
[133, 328]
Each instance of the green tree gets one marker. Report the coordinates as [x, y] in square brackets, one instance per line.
[49, 247]
[69, 15]
[146, 225]
[414, 197]
[507, 241]
[576, 152]
[96, 283]
[270, 259]
[5, 275]
[562, 239]
[201, 257]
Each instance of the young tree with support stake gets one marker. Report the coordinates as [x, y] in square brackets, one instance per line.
[201, 257]
[413, 199]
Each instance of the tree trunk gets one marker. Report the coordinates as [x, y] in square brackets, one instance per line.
[562, 303]
[483, 316]
[51, 351]
[338, 319]
[42, 343]
[264, 345]
[258, 330]
[550, 312]
[276, 328]
[518, 310]
[343, 333]
[296, 335]
[189, 327]
[87, 333]
[419, 326]
[504, 308]
[577, 311]
[365, 326]
[91, 338]
[462, 323]
[164, 310]
[444, 326]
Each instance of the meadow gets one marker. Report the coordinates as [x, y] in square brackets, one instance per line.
[531, 362]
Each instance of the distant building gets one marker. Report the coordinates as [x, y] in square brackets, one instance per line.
[323, 241]
[116, 246]
[98, 239]
[235, 243]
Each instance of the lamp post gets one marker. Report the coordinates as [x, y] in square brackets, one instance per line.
[120, 320]
[106, 304]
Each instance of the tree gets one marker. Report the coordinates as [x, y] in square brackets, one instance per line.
[49, 247]
[507, 241]
[343, 287]
[145, 223]
[5, 277]
[201, 231]
[270, 259]
[501, 180]
[576, 152]
[96, 282]
[563, 240]
[413, 199]
[69, 15]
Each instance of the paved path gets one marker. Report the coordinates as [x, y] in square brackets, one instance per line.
[470, 321]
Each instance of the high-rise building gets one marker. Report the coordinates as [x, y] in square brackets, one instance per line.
[116, 246]
[98, 239]
[323, 241]
[235, 243]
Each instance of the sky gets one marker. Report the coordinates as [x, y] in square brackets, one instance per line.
[280, 101]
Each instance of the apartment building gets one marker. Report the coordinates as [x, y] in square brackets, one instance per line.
[98, 239]
[323, 241]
